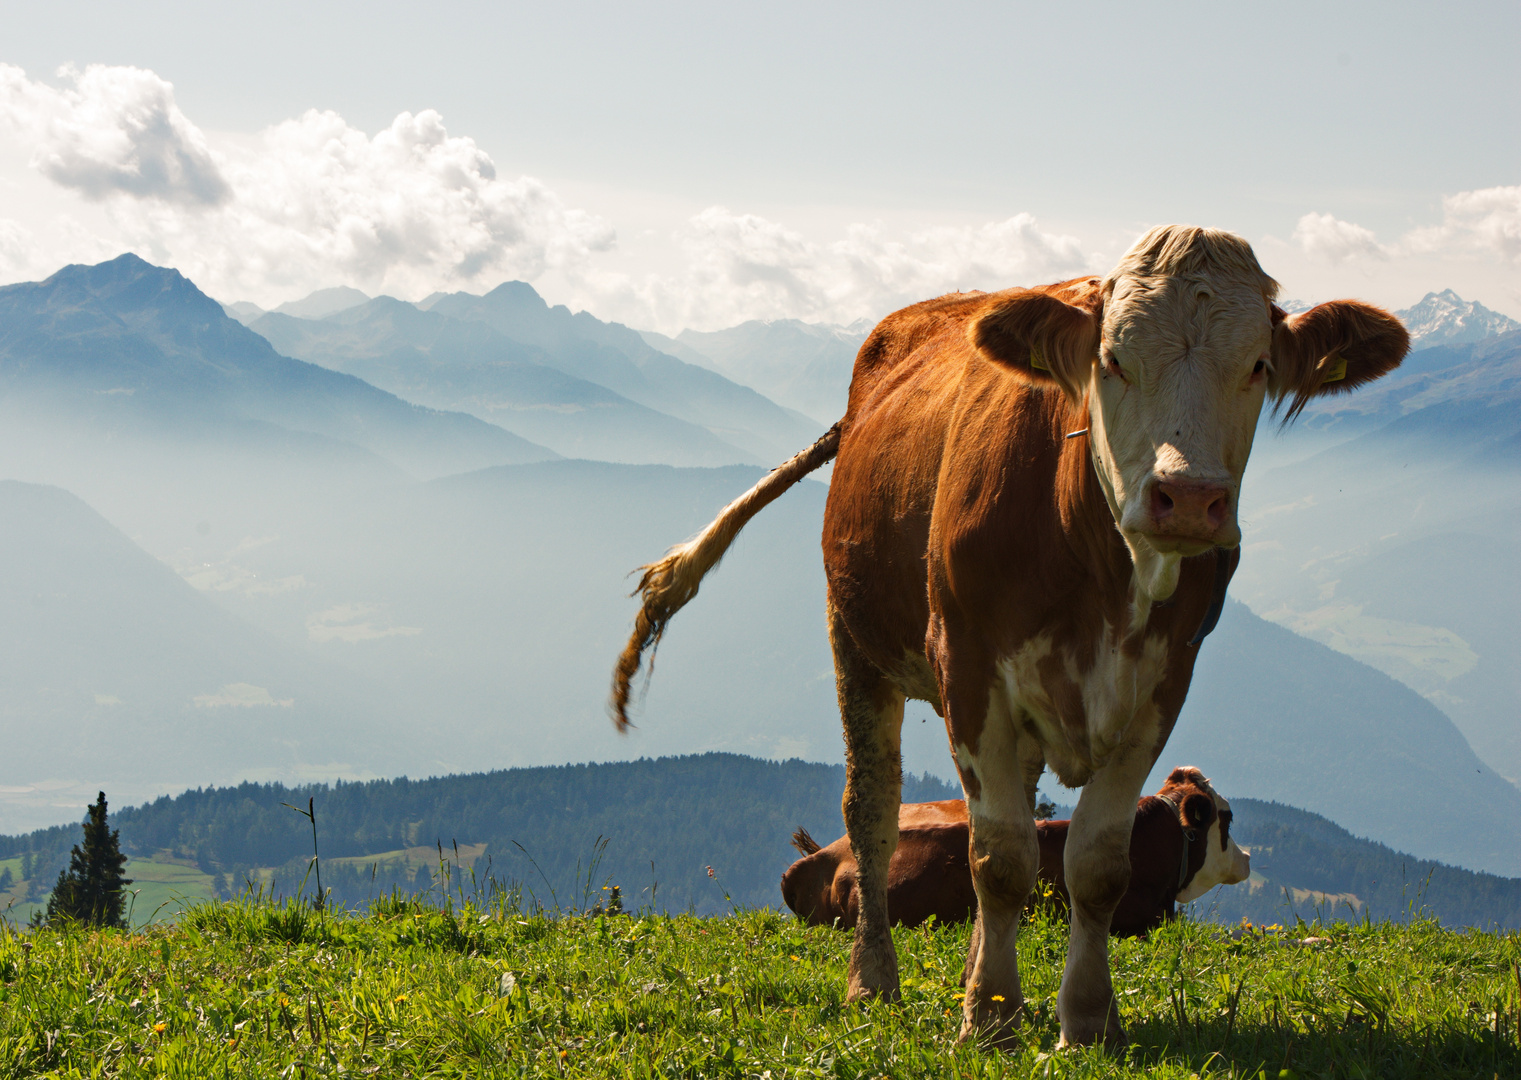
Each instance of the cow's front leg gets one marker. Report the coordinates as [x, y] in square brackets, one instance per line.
[1097, 866]
[1004, 857]
[872, 711]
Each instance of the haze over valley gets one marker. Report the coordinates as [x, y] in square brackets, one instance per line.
[362, 538]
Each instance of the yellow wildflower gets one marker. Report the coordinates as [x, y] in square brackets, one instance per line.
[997, 997]
[400, 998]
[160, 1028]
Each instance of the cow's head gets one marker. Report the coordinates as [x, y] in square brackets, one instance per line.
[1203, 812]
[1171, 355]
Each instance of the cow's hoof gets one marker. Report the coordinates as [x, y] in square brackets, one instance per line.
[873, 972]
[994, 1027]
[1104, 1031]
[995, 1034]
[858, 992]
[1101, 1029]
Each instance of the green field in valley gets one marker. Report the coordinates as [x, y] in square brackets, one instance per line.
[409, 990]
[161, 888]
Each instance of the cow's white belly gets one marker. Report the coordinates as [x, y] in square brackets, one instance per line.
[1081, 718]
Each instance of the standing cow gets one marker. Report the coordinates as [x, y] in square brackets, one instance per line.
[1031, 525]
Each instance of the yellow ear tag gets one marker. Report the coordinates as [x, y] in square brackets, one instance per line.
[1038, 359]
[1335, 369]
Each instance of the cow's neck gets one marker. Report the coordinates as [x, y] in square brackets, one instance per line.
[1088, 521]
[1155, 573]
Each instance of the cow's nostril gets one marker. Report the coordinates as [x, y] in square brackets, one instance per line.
[1217, 511]
[1164, 501]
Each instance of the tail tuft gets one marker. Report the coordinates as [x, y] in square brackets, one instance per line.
[804, 843]
[666, 586]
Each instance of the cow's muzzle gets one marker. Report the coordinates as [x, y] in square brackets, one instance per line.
[1189, 514]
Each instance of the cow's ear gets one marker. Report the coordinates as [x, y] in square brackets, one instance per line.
[1332, 348]
[1042, 339]
[1197, 811]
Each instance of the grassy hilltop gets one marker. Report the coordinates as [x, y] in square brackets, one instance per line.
[257, 990]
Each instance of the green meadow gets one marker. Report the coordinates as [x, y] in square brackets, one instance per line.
[161, 888]
[406, 989]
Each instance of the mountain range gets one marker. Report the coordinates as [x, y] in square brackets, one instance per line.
[1445, 318]
[370, 591]
[127, 352]
[804, 366]
[1382, 522]
[572, 382]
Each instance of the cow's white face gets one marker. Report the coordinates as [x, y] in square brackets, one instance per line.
[1174, 400]
[1172, 354]
[1224, 862]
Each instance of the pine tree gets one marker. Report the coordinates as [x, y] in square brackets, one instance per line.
[90, 891]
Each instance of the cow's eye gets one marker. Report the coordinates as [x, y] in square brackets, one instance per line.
[1258, 368]
[1112, 367]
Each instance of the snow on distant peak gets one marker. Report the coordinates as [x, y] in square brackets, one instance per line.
[1445, 318]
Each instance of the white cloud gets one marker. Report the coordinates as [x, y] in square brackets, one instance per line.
[741, 266]
[241, 695]
[18, 249]
[309, 203]
[1483, 223]
[1488, 219]
[1326, 237]
[113, 130]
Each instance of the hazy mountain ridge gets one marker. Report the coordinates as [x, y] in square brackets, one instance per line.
[485, 609]
[1383, 525]
[118, 671]
[805, 366]
[128, 343]
[621, 360]
[468, 365]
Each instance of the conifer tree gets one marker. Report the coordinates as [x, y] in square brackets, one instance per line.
[90, 891]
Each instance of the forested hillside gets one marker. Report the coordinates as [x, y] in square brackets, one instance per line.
[664, 823]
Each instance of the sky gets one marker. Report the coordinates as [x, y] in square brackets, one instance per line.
[675, 165]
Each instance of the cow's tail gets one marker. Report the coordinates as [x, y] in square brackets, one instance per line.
[666, 586]
[805, 844]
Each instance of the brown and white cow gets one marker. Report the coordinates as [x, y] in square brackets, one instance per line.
[1031, 522]
[1180, 848]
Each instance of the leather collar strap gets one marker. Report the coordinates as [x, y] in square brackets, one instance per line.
[1225, 565]
[1188, 840]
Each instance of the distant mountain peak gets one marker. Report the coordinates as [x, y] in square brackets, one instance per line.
[1445, 318]
[324, 302]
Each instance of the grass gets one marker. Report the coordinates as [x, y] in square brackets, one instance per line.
[254, 989]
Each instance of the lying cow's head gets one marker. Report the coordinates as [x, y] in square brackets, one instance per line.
[1202, 811]
[1173, 354]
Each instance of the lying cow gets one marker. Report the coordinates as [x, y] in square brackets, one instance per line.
[1180, 848]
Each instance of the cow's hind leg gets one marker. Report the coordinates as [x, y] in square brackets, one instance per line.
[1005, 857]
[872, 711]
[1097, 867]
